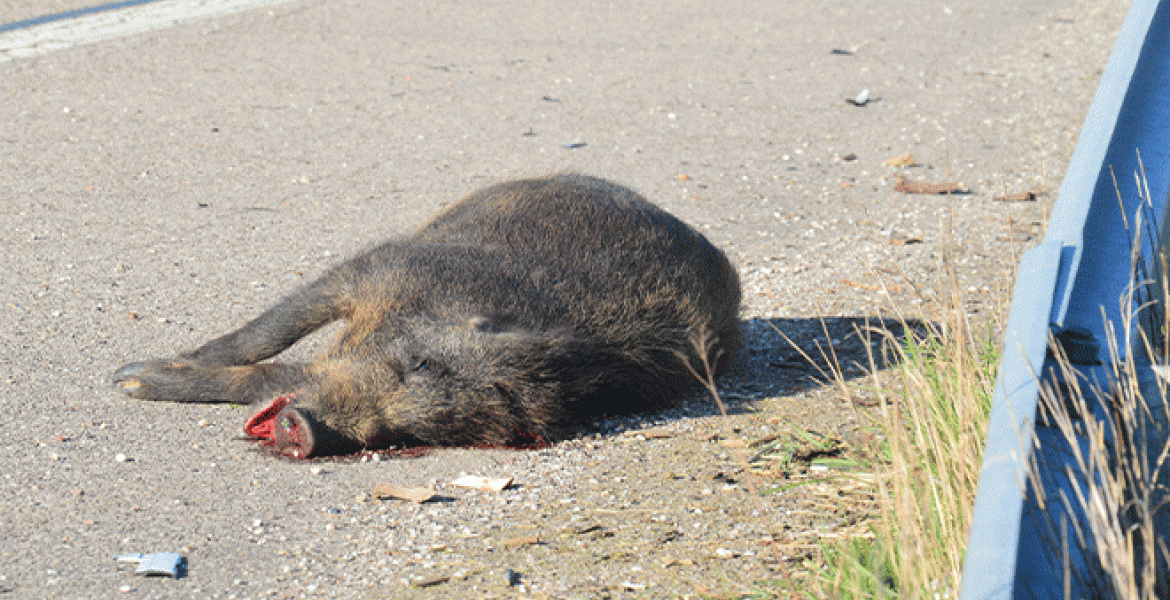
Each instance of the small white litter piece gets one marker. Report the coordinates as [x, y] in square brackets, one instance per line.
[491, 484]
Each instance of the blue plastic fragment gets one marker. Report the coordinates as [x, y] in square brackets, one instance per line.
[156, 563]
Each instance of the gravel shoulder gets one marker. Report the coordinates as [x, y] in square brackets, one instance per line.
[159, 190]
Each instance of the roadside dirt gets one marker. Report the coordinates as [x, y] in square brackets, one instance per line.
[161, 189]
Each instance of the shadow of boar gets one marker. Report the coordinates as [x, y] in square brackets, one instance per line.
[512, 315]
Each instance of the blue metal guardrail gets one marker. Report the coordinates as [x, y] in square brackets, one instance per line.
[1074, 281]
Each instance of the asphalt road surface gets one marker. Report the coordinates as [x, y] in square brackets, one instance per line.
[159, 189]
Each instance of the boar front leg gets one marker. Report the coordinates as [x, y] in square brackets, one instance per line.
[189, 381]
[226, 369]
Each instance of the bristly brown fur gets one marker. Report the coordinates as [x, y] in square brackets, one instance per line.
[518, 310]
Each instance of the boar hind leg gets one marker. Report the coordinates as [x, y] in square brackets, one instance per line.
[188, 381]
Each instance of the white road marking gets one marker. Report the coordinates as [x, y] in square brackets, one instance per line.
[58, 35]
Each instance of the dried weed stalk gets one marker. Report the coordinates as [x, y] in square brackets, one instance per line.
[704, 343]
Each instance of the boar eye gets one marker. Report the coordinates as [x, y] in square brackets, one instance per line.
[421, 365]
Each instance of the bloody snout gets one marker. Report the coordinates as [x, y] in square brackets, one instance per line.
[293, 434]
[299, 434]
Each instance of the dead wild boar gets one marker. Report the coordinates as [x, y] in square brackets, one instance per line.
[525, 307]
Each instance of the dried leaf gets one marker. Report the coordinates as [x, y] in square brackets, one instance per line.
[864, 401]
[650, 434]
[527, 540]
[414, 494]
[874, 288]
[918, 187]
[904, 240]
[1029, 196]
[1015, 236]
[904, 160]
[425, 583]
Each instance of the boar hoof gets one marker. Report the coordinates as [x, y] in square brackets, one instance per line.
[145, 380]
